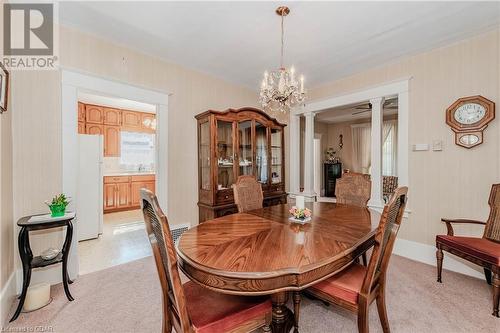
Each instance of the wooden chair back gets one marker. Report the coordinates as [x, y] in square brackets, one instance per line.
[247, 194]
[387, 231]
[492, 228]
[174, 301]
[353, 189]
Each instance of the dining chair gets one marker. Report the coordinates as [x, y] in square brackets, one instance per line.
[356, 287]
[354, 189]
[247, 193]
[188, 307]
[484, 251]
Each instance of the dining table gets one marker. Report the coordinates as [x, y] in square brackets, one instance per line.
[263, 252]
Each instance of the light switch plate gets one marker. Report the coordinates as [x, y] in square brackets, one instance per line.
[421, 147]
[437, 145]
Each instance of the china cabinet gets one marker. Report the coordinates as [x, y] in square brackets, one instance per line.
[238, 142]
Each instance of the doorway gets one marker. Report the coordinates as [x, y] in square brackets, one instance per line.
[117, 157]
[75, 85]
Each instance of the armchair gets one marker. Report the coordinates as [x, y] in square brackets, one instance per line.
[484, 251]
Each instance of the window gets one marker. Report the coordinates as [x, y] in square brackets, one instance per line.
[389, 149]
[137, 150]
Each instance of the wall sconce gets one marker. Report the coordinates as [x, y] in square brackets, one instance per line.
[341, 143]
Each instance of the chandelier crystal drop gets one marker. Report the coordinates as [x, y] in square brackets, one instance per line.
[280, 90]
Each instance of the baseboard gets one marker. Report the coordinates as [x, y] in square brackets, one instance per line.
[7, 296]
[427, 254]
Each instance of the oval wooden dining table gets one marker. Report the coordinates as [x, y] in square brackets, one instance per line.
[262, 253]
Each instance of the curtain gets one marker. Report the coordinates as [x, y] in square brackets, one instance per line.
[389, 148]
[261, 142]
[361, 146]
[137, 149]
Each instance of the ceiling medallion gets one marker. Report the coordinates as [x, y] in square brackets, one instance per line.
[280, 89]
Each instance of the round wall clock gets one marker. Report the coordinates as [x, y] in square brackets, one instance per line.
[468, 117]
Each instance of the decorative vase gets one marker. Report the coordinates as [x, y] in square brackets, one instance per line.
[57, 210]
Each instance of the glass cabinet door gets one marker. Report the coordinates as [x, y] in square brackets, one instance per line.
[261, 153]
[204, 151]
[245, 152]
[276, 156]
[225, 155]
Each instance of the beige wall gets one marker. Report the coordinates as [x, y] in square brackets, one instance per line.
[37, 120]
[6, 225]
[454, 182]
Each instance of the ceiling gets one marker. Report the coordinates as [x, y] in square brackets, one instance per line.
[345, 113]
[325, 41]
[115, 102]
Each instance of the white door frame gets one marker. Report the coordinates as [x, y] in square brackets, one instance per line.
[399, 88]
[73, 82]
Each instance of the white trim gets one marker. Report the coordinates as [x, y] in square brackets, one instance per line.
[399, 88]
[73, 82]
[6, 298]
[427, 254]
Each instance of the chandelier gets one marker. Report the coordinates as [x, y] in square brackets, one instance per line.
[280, 89]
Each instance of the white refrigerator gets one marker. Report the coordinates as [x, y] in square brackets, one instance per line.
[89, 203]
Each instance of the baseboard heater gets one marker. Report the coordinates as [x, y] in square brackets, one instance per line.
[178, 229]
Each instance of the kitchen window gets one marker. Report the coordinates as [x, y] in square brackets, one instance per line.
[137, 150]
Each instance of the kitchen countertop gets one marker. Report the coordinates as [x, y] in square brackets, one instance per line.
[130, 173]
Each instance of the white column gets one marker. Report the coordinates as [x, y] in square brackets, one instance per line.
[309, 158]
[403, 144]
[294, 129]
[376, 152]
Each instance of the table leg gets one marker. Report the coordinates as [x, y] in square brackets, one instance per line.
[25, 253]
[283, 319]
[65, 252]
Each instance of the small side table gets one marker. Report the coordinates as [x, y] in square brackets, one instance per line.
[29, 262]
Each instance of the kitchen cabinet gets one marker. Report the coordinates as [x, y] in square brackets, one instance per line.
[81, 127]
[111, 141]
[123, 192]
[112, 116]
[94, 129]
[81, 112]
[131, 121]
[94, 114]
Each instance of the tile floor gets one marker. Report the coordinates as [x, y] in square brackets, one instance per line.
[123, 239]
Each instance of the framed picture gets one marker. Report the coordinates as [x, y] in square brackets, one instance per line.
[4, 88]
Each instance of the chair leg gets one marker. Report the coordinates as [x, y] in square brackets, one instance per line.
[382, 311]
[487, 275]
[496, 293]
[296, 309]
[363, 316]
[439, 257]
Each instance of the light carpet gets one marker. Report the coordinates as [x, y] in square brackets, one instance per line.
[127, 298]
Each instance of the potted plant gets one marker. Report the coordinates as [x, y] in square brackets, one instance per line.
[58, 205]
[300, 214]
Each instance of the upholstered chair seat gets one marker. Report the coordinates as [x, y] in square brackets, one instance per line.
[344, 286]
[481, 248]
[213, 312]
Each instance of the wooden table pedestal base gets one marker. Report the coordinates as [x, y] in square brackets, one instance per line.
[283, 319]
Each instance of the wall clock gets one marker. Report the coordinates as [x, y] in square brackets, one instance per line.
[468, 117]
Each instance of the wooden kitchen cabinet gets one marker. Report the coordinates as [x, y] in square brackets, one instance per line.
[109, 197]
[94, 114]
[123, 192]
[81, 127]
[131, 120]
[111, 141]
[94, 129]
[81, 112]
[112, 116]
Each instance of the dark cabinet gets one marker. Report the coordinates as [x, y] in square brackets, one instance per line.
[332, 171]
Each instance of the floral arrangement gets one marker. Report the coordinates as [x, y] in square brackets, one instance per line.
[300, 213]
